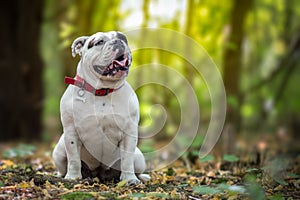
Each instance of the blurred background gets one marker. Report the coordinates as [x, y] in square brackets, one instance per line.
[254, 43]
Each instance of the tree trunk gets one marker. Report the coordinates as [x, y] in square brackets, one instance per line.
[190, 13]
[21, 69]
[232, 68]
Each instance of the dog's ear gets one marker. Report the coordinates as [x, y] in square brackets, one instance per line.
[121, 36]
[78, 44]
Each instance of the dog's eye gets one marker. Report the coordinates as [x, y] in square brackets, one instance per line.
[100, 42]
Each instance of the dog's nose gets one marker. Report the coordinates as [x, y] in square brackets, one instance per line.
[118, 44]
[114, 42]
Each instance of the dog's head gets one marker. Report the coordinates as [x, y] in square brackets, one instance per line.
[106, 55]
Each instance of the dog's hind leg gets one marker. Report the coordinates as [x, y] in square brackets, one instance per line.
[60, 157]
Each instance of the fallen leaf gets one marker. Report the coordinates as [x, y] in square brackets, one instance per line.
[4, 164]
[121, 184]
[24, 184]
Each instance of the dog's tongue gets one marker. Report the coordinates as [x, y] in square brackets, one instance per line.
[120, 64]
[116, 66]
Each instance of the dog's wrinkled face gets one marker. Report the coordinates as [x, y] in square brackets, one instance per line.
[106, 55]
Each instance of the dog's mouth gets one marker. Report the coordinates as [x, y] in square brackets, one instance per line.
[117, 66]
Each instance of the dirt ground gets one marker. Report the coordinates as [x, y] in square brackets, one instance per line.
[27, 172]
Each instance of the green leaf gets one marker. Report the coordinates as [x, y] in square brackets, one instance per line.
[276, 197]
[250, 178]
[2, 184]
[237, 188]
[223, 186]
[121, 184]
[195, 153]
[205, 190]
[230, 158]
[157, 194]
[231, 45]
[252, 170]
[147, 146]
[232, 101]
[254, 190]
[182, 140]
[292, 175]
[170, 171]
[207, 158]
[77, 196]
[21, 150]
[232, 188]
[137, 195]
[182, 185]
[281, 181]
[197, 142]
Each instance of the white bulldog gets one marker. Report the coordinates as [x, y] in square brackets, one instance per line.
[100, 114]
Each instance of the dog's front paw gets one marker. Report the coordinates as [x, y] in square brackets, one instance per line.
[73, 176]
[144, 177]
[130, 178]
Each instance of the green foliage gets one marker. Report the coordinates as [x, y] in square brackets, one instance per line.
[252, 170]
[77, 196]
[269, 29]
[147, 146]
[254, 190]
[207, 158]
[232, 190]
[232, 101]
[280, 180]
[230, 158]
[158, 195]
[274, 169]
[202, 189]
[276, 197]
[2, 184]
[21, 150]
[137, 195]
[197, 142]
[150, 195]
[182, 140]
[170, 171]
[293, 175]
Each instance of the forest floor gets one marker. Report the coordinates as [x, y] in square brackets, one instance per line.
[27, 172]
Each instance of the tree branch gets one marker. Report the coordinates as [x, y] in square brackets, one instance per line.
[288, 60]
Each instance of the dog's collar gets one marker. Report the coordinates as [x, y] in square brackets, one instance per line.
[85, 86]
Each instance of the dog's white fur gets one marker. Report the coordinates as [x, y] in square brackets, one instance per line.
[100, 130]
